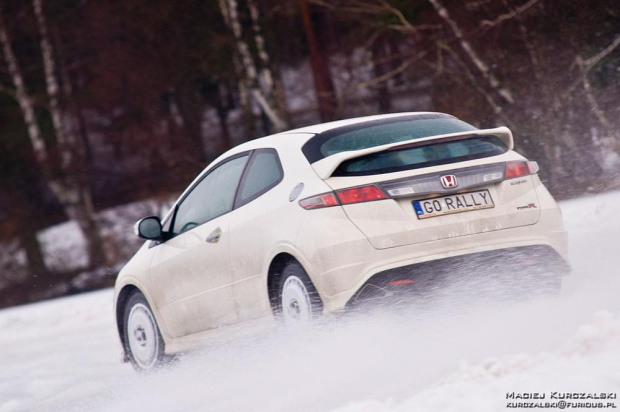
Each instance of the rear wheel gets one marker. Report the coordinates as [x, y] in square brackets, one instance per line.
[143, 343]
[298, 299]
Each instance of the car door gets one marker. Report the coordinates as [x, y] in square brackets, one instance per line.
[191, 272]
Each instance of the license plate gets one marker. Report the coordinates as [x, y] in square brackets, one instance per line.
[446, 205]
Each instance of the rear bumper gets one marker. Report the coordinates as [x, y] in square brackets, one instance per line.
[528, 268]
[341, 280]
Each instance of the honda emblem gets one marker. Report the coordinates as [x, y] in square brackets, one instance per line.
[448, 181]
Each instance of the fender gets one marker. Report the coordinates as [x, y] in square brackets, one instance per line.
[285, 247]
[129, 280]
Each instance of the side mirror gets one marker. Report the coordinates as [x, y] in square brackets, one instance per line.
[149, 228]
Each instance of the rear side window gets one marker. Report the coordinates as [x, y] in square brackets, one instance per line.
[264, 172]
[422, 156]
[213, 196]
[381, 132]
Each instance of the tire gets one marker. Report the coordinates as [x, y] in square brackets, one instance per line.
[298, 299]
[142, 341]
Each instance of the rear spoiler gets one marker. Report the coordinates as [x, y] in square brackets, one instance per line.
[325, 167]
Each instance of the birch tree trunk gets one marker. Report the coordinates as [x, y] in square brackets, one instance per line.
[67, 186]
[263, 95]
[23, 98]
[72, 189]
[29, 241]
[63, 138]
[242, 82]
[266, 74]
[271, 82]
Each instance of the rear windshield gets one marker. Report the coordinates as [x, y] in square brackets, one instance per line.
[422, 156]
[380, 132]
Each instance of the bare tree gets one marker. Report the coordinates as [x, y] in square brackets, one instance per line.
[271, 82]
[585, 66]
[323, 84]
[263, 93]
[23, 98]
[478, 62]
[64, 180]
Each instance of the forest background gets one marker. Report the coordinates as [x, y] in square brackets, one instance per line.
[109, 108]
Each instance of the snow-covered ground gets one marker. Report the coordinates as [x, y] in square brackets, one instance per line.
[64, 355]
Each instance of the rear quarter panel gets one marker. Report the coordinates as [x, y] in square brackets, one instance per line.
[267, 226]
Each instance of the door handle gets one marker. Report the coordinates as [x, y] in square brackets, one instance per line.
[214, 237]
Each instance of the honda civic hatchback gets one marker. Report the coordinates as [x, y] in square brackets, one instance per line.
[320, 219]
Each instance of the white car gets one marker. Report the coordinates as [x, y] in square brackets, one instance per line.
[319, 219]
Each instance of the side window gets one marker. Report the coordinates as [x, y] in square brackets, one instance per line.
[264, 172]
[212, 197]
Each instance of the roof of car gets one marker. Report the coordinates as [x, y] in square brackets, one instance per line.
[297, 137]
[323, 127]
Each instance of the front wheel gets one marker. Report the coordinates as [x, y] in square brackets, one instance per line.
[143, 343]
[299, 300]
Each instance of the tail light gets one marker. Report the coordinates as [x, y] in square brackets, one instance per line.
[360, 194]
[319, 201]
[343, 197]
[518, 169]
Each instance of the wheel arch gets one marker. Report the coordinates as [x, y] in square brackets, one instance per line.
[278, 262]
[276, 265]
[126, 289]
[123, 296]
